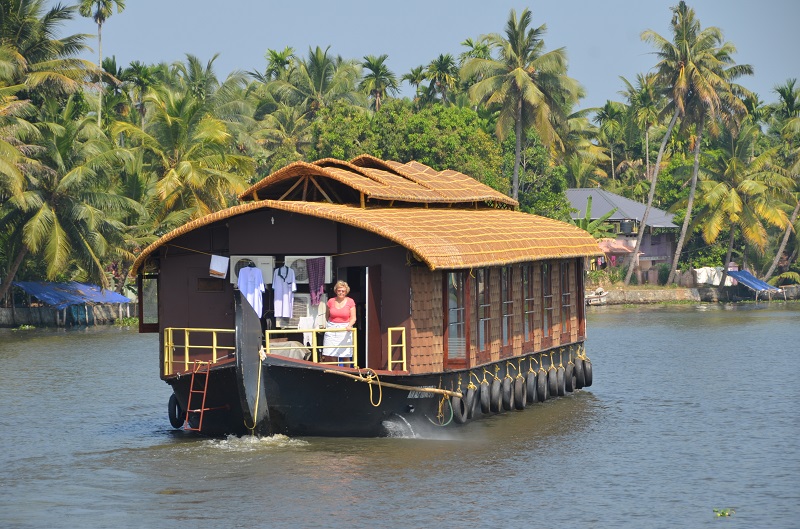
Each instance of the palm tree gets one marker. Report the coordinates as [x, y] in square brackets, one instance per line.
[193, 153]
[694, 69]
[65, 213]
[99, 11]
[610, 120]
[279, 65]
[644, 106]
[443, 75]
[785, 125]
[415, 78]
[529, 85]
[740, 191]
[379, 80]
[319, 81]
[45, 65]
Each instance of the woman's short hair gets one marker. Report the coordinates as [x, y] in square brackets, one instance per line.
[341, 284]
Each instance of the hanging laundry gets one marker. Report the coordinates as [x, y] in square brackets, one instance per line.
[283, 284]
[218, 266]
[316, 278]
[251, 284]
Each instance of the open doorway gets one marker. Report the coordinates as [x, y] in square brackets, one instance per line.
[365, 289]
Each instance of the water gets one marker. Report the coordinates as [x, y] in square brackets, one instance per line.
[693, 408]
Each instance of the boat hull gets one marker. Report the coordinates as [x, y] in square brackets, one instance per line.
[307, 399]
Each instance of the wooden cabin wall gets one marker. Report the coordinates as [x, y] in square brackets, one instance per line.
[255, 233]
[426, 340]
[188, 296]
[538, 335]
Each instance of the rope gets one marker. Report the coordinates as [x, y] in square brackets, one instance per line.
[440, 413]
[372, 375]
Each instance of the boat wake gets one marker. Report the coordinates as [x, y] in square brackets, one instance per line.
[398, 427]
[251, 443]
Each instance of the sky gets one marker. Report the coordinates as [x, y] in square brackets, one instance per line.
[601, 37]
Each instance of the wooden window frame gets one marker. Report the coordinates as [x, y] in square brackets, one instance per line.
[447, 361]
[484, 324]
[548, 309]
[566, 302]
[506, 311]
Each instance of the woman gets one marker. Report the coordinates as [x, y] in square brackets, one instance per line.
[341, 314]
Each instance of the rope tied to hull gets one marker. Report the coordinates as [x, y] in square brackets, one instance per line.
[372, 376]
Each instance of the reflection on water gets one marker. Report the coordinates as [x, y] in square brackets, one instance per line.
[692, 408]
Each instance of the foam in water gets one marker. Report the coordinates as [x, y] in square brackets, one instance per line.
[250, 443]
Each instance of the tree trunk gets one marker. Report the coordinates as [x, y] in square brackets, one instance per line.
[690, 205]
[517, 151]
[651, 194]
[727, 258]
[613, 174]
[785, 240]
[100, 65]
[6, 286]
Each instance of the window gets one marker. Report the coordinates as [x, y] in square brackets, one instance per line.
[528, 292]
[547, 302]
[566, 299]
[456, 316]
[506, 305]
[148, 302]
[483, 306]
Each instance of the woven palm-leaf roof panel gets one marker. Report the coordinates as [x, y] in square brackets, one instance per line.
[382, 180]
[441, 238]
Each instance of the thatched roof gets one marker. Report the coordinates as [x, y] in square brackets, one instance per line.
[442, 238]
[366, 178]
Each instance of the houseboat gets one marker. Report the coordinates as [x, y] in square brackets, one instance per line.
[464, 306]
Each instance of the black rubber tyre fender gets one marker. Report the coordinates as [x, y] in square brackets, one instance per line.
[459, 409]
[176, 415]
[552, 382]
[561, 380]
[485, 397]
[530, 383]
[520, 393]
[508, 394]
[469, 399]
[587, 372]
[569, 377]
[496, 400]
[579, 379]
[541, 385]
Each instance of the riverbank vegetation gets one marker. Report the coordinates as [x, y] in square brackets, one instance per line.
[97, 161]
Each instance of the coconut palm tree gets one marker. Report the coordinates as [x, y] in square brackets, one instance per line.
[99, 11]
[45, 65]
[193, 153]
[279, 64]
[528, 84]
[695, 69]
[65, 214]
[379, 79]
[785, 126]
[739, 192]
[319, 81]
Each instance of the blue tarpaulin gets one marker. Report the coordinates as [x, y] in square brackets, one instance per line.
[752, 282]
[61, 295]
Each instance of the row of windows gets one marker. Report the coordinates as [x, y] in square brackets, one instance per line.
[467, 293]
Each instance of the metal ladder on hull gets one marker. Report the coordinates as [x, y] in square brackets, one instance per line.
[199, 373]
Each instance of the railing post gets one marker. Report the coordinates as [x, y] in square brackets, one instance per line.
[186, 349]
[214, 347]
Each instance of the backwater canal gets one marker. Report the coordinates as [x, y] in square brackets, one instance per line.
[693, 408]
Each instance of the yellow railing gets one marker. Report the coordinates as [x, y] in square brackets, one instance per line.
[194, 351]
[401, 345]
[313, 352]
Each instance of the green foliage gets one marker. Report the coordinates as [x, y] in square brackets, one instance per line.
[663, 273]
[441, 137]
[597, 228]
[127, 322]
[606, 276]
[724, 512]
[786, 278]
